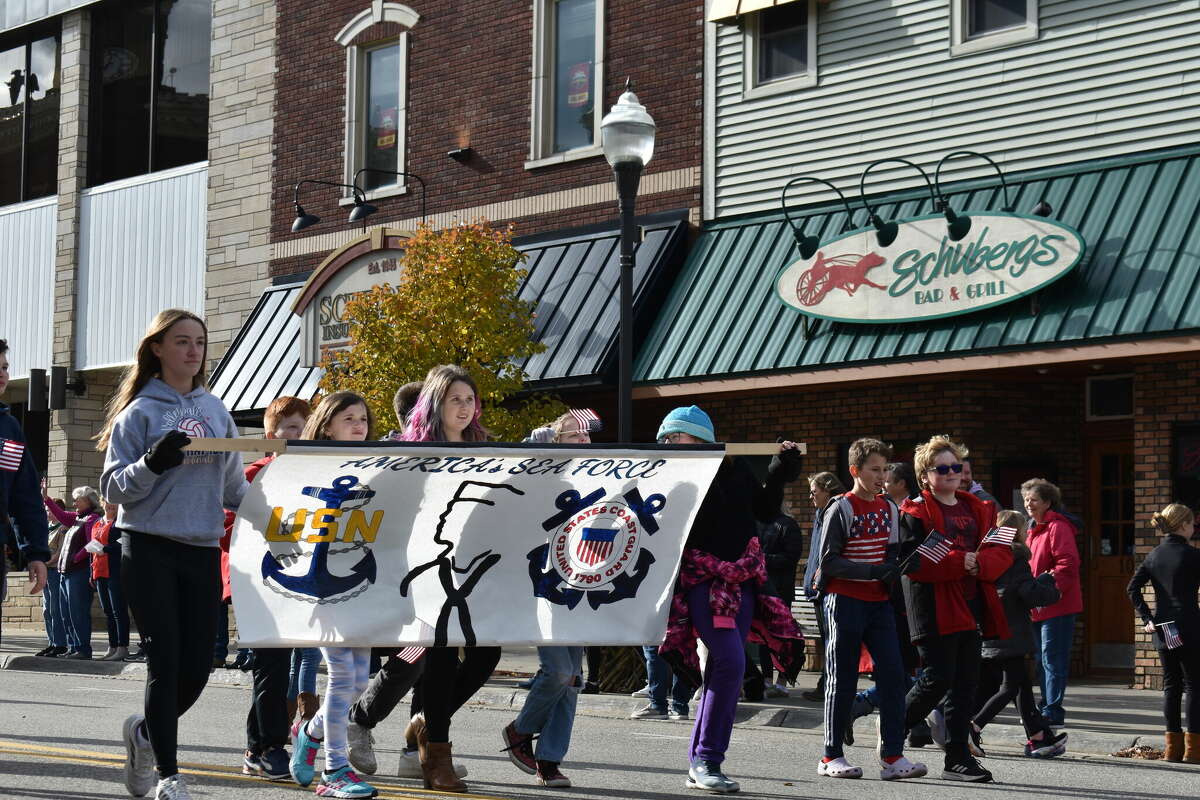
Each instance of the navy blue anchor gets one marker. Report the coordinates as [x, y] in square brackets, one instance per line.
[319, 582]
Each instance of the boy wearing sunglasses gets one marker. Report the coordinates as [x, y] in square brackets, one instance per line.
[950, 593]
[857, 570]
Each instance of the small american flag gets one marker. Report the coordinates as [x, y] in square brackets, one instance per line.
[588, 419]
[935, 547]
[1170, 635]
[10, 454]
[1003, 536]
[411, 655]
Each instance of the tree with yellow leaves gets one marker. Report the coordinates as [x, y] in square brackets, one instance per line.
[456, 302]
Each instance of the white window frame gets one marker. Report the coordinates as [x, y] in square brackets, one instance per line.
[751, 88]
[356, 87]
[961, 44]
[541, 116]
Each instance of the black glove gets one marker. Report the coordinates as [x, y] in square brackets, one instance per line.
[883, 572]
[788, 463]
[167, 452]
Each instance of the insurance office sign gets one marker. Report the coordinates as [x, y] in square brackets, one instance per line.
[924, 275]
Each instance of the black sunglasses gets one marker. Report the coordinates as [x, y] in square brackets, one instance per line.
[946, 469]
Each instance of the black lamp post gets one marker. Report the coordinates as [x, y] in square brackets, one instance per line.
[627, 135]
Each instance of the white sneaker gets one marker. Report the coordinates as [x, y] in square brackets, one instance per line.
[900, 769]
[838, 768]
[139, 758]
[361, 742]
[642, 692]
[410, 766]
[172, 788]
[937, 727]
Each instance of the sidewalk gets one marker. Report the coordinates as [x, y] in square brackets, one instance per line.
[1102, 717]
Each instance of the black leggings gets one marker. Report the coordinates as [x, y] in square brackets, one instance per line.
[1010, 677]
[174, 590]
[1181, 679]
[446, 684]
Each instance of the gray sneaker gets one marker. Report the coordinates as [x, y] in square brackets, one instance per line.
[707, 776]
[677, 713]
[139, 758]
[362, 748]
[172, 788]
[649, 712]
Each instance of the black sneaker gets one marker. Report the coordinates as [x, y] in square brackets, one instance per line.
[968, 770]
[45, 651]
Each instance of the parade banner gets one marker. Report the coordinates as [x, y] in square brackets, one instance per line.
[383, 543]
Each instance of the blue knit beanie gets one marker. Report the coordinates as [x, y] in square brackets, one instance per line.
[688, 420]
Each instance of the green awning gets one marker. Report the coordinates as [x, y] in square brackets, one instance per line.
[1139, 279]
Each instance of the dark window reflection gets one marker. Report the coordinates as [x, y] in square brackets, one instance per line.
[574, 73]
[29, 70]
[382, 135]
[782, 42]
[137, 45]
[987, 16]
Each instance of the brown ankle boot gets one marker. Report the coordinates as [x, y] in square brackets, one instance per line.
[1191, 748]
[1174, 751]
[414, 733]
[308, 704]
[437, 765]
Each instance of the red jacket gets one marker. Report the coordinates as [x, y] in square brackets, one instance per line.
[1052, 544]
[100, 560]
[933, 593]
[251, 471]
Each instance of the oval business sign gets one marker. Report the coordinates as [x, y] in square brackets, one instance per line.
[923, 274]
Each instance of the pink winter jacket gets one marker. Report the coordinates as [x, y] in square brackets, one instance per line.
[1052, 544]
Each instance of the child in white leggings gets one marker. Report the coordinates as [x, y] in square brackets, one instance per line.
[341, 416]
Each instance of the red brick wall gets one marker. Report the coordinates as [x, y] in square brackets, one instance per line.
[469, 71]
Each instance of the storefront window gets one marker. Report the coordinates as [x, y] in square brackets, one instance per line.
[138, 45]
[381, 135]
[29, 119]
[989, 16]
[782, 47]
[574, 74]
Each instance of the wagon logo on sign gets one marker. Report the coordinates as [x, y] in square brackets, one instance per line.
[924, 275]
[595, 548]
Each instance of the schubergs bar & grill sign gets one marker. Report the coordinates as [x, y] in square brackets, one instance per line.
[923, 274]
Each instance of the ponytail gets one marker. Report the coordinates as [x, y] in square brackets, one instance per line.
[1171, 519]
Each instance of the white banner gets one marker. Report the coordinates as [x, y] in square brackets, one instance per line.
[384, 543]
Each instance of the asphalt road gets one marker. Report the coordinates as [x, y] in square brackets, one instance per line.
[59, 738]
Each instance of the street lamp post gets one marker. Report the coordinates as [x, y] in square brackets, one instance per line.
[627, 134]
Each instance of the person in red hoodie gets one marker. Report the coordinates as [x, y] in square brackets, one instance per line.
[1053, 550]
[950, 593]
[267, 723]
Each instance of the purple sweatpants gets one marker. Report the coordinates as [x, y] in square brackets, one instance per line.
[723, 673]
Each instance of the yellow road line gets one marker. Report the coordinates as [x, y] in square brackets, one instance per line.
[94, 758]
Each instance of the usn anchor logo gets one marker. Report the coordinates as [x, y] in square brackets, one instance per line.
[595, 548]
[318, 584]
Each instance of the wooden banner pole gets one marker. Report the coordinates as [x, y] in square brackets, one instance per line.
[249, 445]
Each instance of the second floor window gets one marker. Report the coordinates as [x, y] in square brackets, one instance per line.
[29, 70]
[977, 25]
[990, 16]
[149, 87]
[381, 108]
[567, 66]
[782, 46]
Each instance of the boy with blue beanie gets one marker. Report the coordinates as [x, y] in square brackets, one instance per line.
[690, 420]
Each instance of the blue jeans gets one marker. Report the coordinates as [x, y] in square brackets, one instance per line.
[549, 709]
[1054, 637]
[303, 675]
[658, 674]
[221, 645]
[79, 605]
[54, 610]
[852, 623]
[116, 612]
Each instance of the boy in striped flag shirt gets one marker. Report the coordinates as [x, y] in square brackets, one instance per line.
[858, 566]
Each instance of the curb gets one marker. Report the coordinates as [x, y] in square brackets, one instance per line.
[503, 694]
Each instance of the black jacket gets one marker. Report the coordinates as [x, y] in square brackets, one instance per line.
[1020, 592]
[736, 502]
[20, 495]
[783, 546]
[1173, 569]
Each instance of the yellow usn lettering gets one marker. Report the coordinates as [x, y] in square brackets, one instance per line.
[325, 524]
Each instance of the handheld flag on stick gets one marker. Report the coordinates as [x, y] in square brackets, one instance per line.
[935, 547]
[588, 419]
[1170, 635]
[1002, 536]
